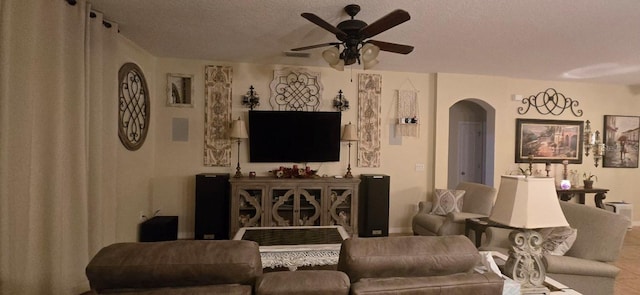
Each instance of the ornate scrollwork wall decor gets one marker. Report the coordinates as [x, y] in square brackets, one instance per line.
[133, 106]
[295, 90]
[550, 102]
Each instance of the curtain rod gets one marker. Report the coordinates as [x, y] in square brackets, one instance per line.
[92, 14]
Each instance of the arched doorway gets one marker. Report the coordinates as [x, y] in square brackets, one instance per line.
[471, 142]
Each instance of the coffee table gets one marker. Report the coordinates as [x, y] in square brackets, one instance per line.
[296, 246]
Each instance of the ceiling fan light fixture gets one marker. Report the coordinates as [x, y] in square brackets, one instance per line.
[331, 56]
[369, 52]
[369, 64]
[339, 65]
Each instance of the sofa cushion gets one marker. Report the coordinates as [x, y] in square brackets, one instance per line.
[478, 198]
[174, 264]
[579, 267]
[477, 284]
[446, 201]
[231, 289]
[406, 256]
[557, 240]
[310, 282]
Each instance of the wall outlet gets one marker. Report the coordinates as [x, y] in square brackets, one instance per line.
[420, 167]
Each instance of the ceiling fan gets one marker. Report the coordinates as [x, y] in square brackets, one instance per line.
[353, 34]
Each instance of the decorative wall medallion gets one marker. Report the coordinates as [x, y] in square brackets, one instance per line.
[217, 115]
[133, 106]
[295, 90]
[369, 109]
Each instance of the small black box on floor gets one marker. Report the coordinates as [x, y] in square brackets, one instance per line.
[159, 228]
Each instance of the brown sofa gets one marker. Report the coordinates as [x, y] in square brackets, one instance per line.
[387, 265]
[587, 266]
[415, 265]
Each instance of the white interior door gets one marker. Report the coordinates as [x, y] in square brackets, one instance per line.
[470, 151]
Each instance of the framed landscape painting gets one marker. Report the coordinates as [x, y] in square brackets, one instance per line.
[549, 141]
[621, 141]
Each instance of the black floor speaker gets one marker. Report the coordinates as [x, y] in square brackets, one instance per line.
[212, 207]
[373, 205]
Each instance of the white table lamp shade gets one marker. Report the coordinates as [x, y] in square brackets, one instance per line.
[349, 133]
[238, 129]
[528, 203]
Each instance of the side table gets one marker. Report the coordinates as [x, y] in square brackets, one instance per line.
[479, 225]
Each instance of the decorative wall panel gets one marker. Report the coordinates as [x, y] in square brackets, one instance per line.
[295, 90]
[369, 109]
[217, 115]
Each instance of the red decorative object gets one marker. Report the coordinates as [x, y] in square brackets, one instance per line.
[294, 172]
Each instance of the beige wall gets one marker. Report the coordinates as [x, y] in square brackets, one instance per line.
[596, 100]
[135, 168]
[177, 163]
[161, 175]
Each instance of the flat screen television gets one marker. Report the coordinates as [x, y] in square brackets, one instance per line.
[294, 136]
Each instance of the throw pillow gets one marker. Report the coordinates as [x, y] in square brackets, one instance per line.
[446, 201]
[557, 240]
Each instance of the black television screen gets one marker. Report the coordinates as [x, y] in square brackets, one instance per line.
[294, 136]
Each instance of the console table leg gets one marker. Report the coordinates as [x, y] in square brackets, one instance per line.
[598, 199]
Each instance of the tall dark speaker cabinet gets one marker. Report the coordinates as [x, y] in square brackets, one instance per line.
[212, 207]
[373, 205]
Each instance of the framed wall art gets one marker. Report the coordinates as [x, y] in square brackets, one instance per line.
[549, 141]
[179, 90]
[621, 141]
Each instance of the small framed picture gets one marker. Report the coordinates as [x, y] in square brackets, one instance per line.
[621, 140]
[179, 90]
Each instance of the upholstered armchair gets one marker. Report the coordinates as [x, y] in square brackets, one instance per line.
[587, 266]
[477, 201]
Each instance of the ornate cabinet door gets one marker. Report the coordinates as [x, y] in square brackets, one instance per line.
[247, 207]
[309, 206]
[282, 206]
[295, 206]
[342, 207]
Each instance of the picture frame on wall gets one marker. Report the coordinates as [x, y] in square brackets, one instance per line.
[549, 141]
[179, 90]
[621, 141]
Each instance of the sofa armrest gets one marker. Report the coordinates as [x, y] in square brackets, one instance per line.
[577, 266]
[425, 207]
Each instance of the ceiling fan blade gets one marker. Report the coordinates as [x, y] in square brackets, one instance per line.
[323, 24]
[392, 47]
[315, 46]
[388, 21]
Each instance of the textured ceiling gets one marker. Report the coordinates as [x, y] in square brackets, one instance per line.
[580, 40]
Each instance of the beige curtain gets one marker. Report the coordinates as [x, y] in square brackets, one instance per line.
[56, 155]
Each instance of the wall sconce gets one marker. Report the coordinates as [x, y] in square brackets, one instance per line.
[587, 138]
[593, 141]
[598, 148]
[251, 99]
[340, 102]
